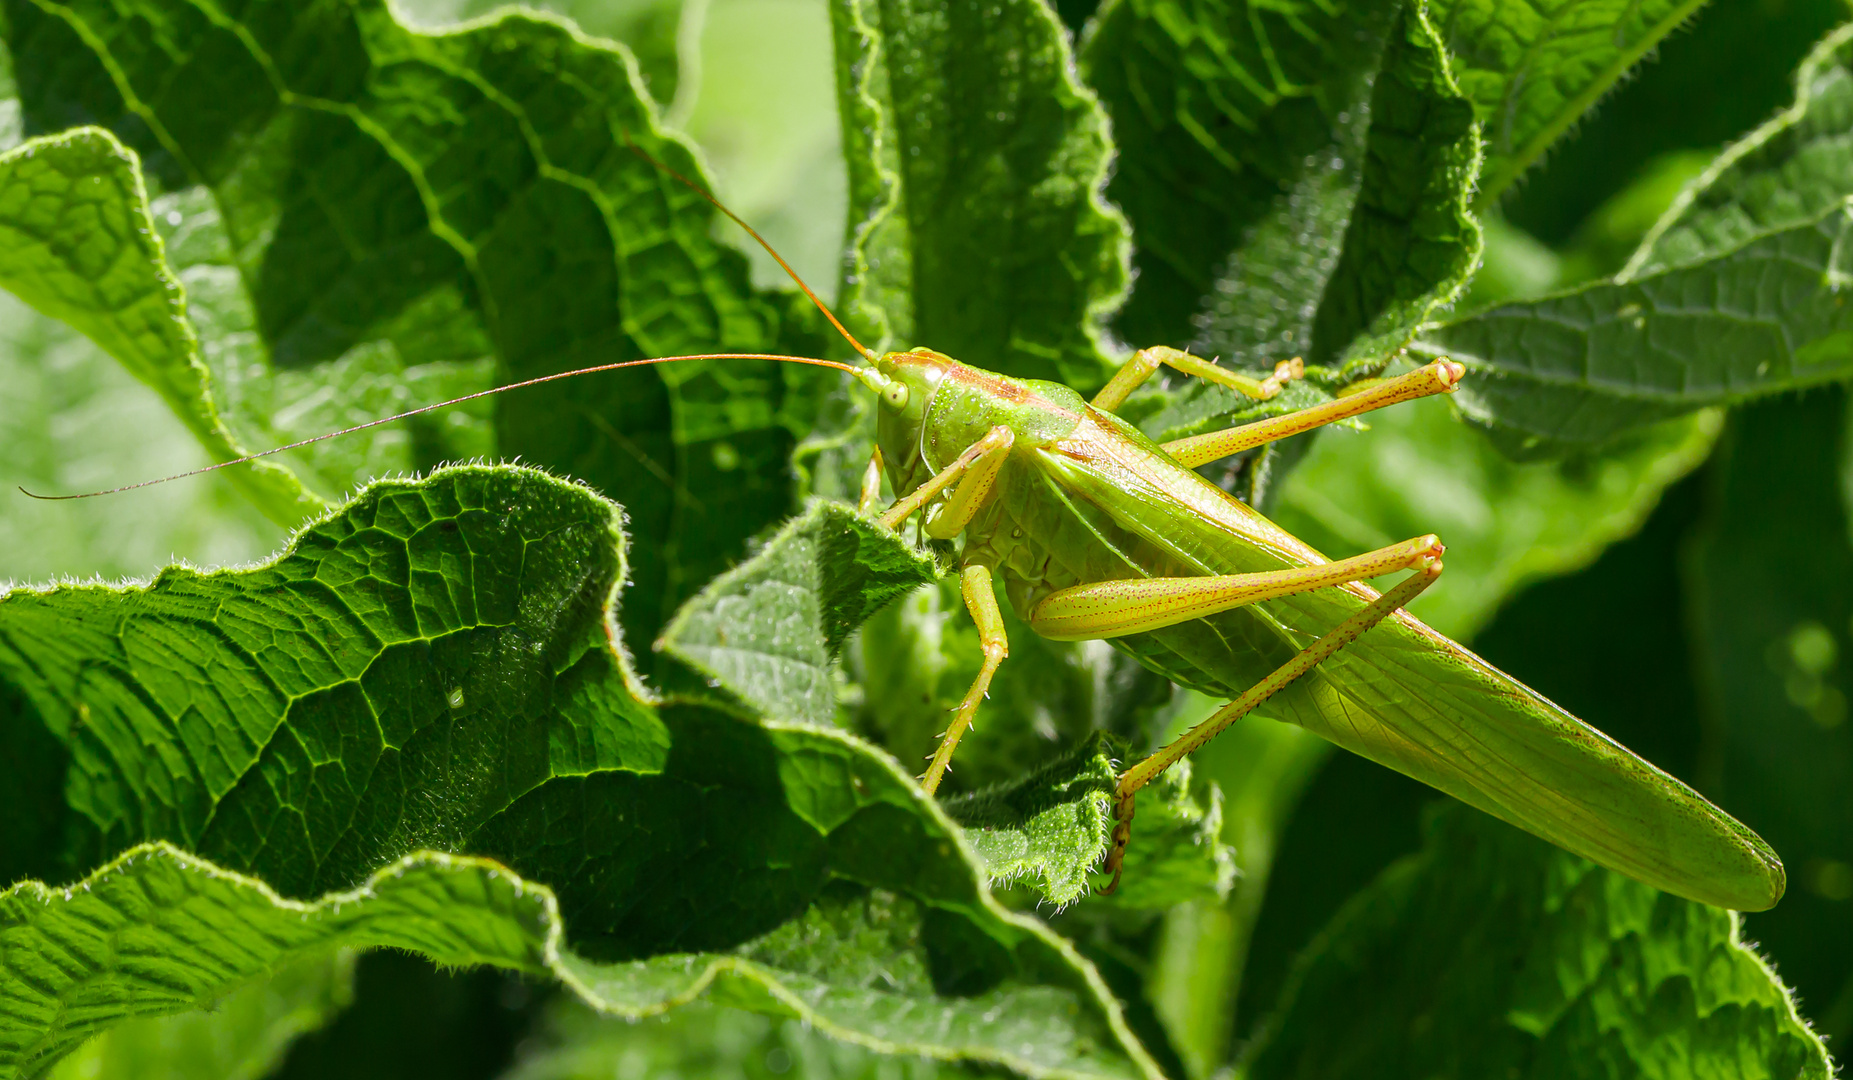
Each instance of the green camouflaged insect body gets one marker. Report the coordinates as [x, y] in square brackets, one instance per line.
[1085, 497]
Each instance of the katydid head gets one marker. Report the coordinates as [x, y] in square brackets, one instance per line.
[905, 383]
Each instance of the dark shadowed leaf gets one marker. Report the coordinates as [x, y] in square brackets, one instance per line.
[432, 667]
[1491, 953]
[1770, 585]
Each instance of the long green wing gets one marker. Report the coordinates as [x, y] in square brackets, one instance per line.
[1402, 695]
[1407, 697]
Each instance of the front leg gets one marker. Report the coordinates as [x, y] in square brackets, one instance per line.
[983, 458]
[981, 601]
[1146, 362]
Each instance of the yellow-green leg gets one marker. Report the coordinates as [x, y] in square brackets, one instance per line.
[1146, 362]
[1108, 609]
[983, 458]
[1312, 656]
[981, 601]
[976, 472]
[1440, 377]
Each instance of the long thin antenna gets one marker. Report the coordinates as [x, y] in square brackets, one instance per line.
[860, 373]
[754, 233]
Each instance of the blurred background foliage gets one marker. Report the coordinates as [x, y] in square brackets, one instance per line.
[1716, 640]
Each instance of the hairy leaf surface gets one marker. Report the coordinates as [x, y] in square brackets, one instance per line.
[769, 631]
[1050, 829]
[1492, 952]
[77, 242]
[976, 167]
[374, 218]
[1297, 177]
[1533, 69]
[432, 667]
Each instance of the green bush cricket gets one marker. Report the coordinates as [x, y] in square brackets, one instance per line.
[1095, 531]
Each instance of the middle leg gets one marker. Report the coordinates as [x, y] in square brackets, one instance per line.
[1440, 377]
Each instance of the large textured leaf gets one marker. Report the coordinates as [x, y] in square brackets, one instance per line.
[158, 932]
[1532, 70]
[1578, 370]
[1771, 588]
[1241, 131]
[1735, 294]
[77, 243]
[398, 676]
[1491, 954]
[1297, 178]
[433, 667]
[768, 632]
[370, 217]
[976, 163]
[1792, 169]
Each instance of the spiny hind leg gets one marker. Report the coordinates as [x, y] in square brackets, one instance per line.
[1312, 656]
[981, 601]
[1439, 377]
[1146, 362]
[1109, 609]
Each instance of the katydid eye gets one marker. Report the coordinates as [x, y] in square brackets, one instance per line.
[895, 394]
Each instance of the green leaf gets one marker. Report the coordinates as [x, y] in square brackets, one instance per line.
[383, 217]
[1755, 234]
[242, 1036]
[1791, 170]
[577, 1043]
[158, 932]
[1241, 134]
[1420, 470]
[1298, 180]
[769, 630]
[976, 167]
[433, 665]
[1770, 589]
[1533, 71]
[73, 418]
[1575, 371]
[79, 245]
[1051, 828]
[399, 675]
[1492, 953]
